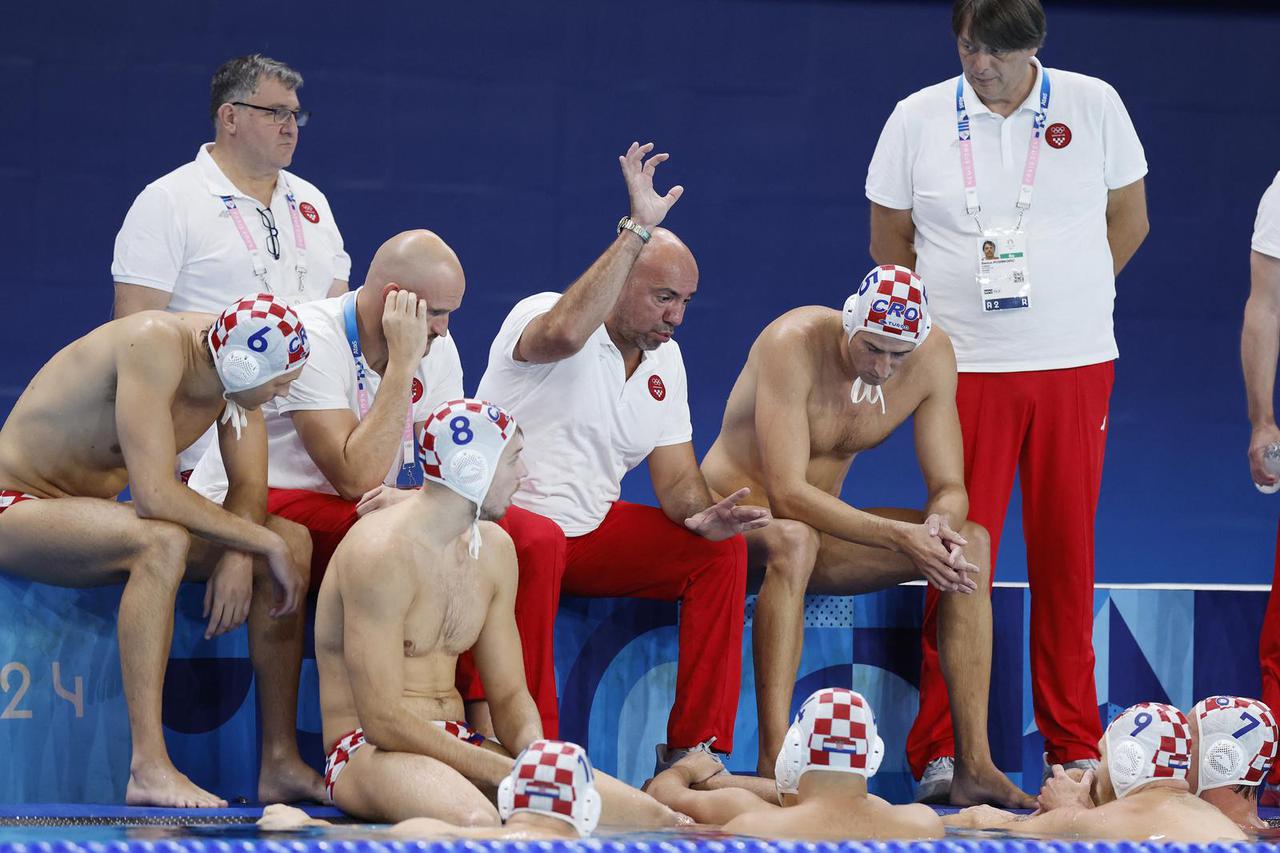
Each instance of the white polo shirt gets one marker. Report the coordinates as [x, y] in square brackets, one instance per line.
[585, 424]
[329, 382]
[178, 237]
[1266, 228]
[916, 166]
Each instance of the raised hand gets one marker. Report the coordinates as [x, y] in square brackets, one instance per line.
[1262, 437]
[726, 519]
[648, 209]
[404, 324]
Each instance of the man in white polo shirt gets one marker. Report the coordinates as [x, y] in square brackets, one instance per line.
[193, 238]
[342, 443]
[599, 386]
[1045, 165]
[1259, 349]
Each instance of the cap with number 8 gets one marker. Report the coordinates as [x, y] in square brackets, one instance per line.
[460, 447]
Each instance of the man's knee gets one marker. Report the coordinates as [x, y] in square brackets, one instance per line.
[978, 538]
[163, 550]
[792, 549]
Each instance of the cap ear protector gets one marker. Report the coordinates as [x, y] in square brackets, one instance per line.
[552, 778]
[834, 730]
[1238, 741]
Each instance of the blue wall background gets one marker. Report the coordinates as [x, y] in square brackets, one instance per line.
[497, 124]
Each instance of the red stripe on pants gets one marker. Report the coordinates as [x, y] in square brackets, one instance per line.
[637, 551]
[1269, 652]
[540, 553]
[1049, 427]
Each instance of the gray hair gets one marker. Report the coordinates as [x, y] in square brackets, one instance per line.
[237, 79]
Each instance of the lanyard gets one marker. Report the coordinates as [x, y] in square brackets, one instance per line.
[970, 175]
[259, 266]
[410, 474]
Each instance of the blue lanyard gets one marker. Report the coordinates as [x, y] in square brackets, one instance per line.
[965, 136]
[410, 474]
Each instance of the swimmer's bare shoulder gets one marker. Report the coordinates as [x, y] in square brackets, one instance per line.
[497, 557]
[788, 351]
[910, 821]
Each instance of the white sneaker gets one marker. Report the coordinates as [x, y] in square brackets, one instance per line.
[935, 783]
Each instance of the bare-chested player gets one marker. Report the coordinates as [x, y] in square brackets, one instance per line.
[1139, 791]
[828, 754]
[111, 410]
[819, 387]
[408, 590]
[1234, 743]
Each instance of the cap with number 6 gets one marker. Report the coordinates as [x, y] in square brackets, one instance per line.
[460, 447]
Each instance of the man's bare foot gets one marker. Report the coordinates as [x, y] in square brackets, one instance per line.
[290, 780]
[162, 785]
[972, 786]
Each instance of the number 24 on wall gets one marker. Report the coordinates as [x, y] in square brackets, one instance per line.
[12, 711]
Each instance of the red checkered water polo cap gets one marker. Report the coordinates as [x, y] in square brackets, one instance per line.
[889, 302]
[552, 778]
[460, 447]
[255, 340]
[1150, 742]
[834, 729]
[1238, 741]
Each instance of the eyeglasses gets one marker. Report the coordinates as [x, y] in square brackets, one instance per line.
[279, 115]
[273, 233]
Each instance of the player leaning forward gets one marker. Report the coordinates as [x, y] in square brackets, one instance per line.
[111, 410]
[818, 388]
[410, 588]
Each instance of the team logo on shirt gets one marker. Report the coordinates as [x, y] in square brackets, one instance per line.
[1058, 135]
[416, 389]
[656, 389]
[308, 210]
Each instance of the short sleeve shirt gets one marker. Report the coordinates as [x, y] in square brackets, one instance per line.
[179, 237]
[585, 423]
[1266, 228]
[329, 382]
[1092, 149]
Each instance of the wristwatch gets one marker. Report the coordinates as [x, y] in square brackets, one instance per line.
[634, 227]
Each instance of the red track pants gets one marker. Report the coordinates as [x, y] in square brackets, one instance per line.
[1050, 427]
[329, 517]
[637, 551]
[1269, 652]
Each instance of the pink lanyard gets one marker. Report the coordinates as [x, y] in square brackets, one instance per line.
[970, 174]
[259, 266]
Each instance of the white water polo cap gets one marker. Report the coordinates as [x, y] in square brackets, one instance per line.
[890, 302]
[256, 339]
[1238, 741]
[1150, 742]
[552, 778]
[834, 729]
[460, 447]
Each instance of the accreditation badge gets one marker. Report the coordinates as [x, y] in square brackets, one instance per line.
[1002, 269]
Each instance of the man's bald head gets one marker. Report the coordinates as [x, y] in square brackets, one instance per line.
[422, 264]
[665, 258]
[662, 281]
